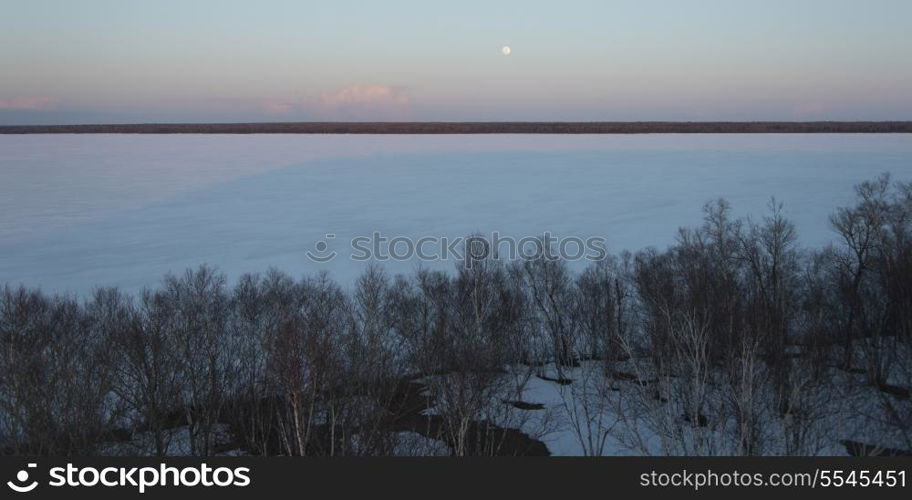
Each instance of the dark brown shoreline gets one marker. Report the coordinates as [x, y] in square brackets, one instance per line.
[818, 127]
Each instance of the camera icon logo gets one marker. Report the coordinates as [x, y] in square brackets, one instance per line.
[321, 252]
[20, 486]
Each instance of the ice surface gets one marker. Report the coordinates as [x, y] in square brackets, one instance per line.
[78, 211]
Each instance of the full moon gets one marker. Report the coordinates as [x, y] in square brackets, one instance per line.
[506, 50]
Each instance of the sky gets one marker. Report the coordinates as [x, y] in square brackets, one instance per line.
[125, 61]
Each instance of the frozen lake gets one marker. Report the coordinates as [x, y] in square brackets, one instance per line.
[83, 210]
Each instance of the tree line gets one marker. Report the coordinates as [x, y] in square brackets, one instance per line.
[791, 127]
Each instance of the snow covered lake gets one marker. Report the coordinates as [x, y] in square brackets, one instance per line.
[78, 211]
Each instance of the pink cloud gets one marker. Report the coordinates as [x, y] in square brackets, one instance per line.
[809, 109]
[279, 108]
[364, 95]
[27, 103]
[354, 102]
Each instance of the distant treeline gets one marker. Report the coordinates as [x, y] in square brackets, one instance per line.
[733, 341]
[815, 127]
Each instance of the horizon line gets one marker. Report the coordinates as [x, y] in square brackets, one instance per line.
[472, 127]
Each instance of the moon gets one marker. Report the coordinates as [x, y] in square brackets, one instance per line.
[506, 50]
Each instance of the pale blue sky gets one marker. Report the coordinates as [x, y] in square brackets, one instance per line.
[215, 60]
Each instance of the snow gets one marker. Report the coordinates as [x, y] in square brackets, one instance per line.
[78, 211]
[561, 404]
[414, 444]
[852, 414]
[177, 443]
